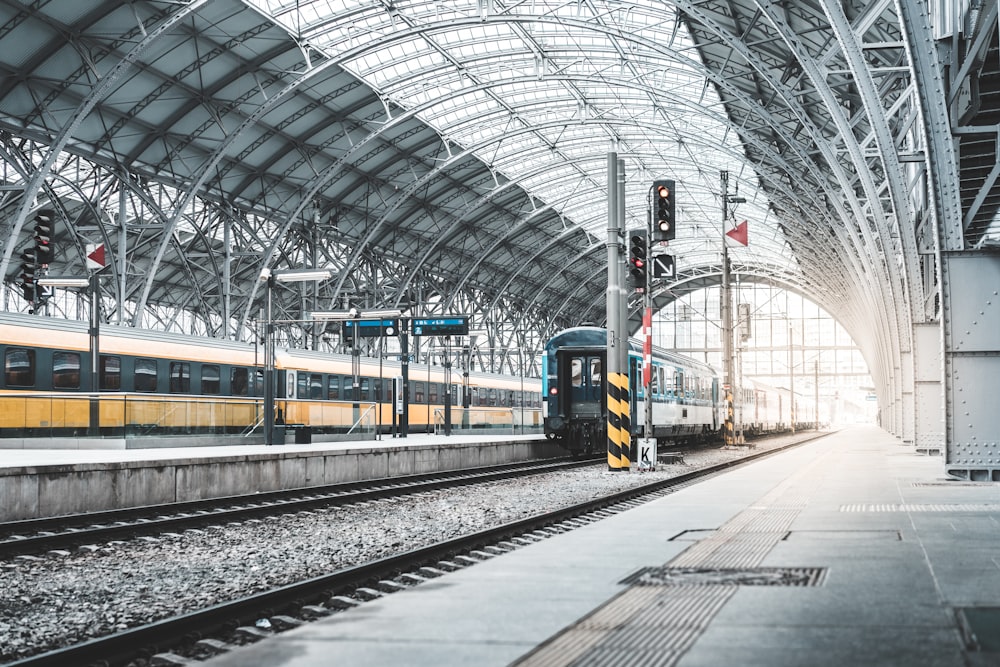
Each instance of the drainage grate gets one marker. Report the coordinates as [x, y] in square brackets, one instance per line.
[980, 628]
[758, 576]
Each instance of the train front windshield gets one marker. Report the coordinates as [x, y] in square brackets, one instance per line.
[586, 388]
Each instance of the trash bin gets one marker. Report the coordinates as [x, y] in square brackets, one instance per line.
[278, 434]
[303, 434]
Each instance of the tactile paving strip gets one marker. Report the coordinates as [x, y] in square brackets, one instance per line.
[909, 507]
[672, 621]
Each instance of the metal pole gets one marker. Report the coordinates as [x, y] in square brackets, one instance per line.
[816, 395]
[95, 354]
[727, 317]
[447, 385]
[626, 404]
[791, 377]
[269, 369]
[404, 360]
[380, 396]
[616, 435]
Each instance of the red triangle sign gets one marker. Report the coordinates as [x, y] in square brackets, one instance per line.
[740, 234]
[95, 256]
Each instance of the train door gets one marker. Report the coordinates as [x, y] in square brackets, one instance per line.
[583, 374]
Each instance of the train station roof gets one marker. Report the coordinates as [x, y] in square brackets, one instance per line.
[452, 157]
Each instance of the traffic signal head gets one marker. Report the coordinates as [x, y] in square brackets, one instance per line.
[28, 274]
[663, 210]
[638, 257]
[43, 235]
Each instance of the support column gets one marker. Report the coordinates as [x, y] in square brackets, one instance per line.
[928, 393]
[971, 311]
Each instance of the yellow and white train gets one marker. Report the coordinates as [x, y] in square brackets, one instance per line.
[159, 383]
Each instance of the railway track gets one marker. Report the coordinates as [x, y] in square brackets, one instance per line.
[32, 536]
[217, 628]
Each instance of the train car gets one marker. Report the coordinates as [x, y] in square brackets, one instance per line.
[322, 390]
[159, 383]
[685, 393]
[763, 409]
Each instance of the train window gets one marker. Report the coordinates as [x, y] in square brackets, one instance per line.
[111, 373]
[258, 386]
[481, 395]
[365, 389]
[302, 385]
[315, 386]
[432, 393]
[211, 379]
[654, 380]
[492, 397]
[333, 388]
[577, 372]
[679, 384]
[145, 375]
[595, 372]
[454, 394]
[239, 382]
[65, 370]
[19, 367]
[180, 377]
[418, 392]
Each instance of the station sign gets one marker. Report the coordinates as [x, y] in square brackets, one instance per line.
[370, 328]
[439, 326]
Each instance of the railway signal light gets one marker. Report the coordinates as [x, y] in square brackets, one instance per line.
[28, 274]
[43, 236]
[664, 210]
[638, 257]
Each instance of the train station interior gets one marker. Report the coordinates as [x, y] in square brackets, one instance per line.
[834, 167]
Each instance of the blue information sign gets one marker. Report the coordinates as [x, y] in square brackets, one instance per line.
[370, 328]
[439, 326]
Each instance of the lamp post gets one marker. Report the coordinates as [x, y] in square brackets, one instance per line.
[95, 324]
[95, 336]
[269, 278]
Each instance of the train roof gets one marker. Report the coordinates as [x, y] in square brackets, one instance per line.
[598, 337]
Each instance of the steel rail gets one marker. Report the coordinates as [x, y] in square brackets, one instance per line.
[37, 535]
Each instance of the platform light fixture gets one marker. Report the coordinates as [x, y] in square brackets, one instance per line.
[354, 314]
[302, 275]
[270, 278]
[63, 281]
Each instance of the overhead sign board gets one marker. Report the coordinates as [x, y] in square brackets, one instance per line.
[439, 326]
[370, 328]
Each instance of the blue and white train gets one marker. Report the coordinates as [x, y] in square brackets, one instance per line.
[688, 401]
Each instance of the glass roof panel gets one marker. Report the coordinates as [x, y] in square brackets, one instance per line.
[542, 91]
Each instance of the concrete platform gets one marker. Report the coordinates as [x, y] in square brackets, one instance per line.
[896, 553]
[53, 482]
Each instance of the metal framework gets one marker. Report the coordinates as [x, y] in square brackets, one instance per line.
[449, 157]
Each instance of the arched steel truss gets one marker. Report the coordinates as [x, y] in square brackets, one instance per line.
[448, 157]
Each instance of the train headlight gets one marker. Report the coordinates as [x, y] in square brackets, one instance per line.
[554, 391]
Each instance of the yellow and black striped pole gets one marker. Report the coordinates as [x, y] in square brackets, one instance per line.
[625, 430]
[619, 424]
